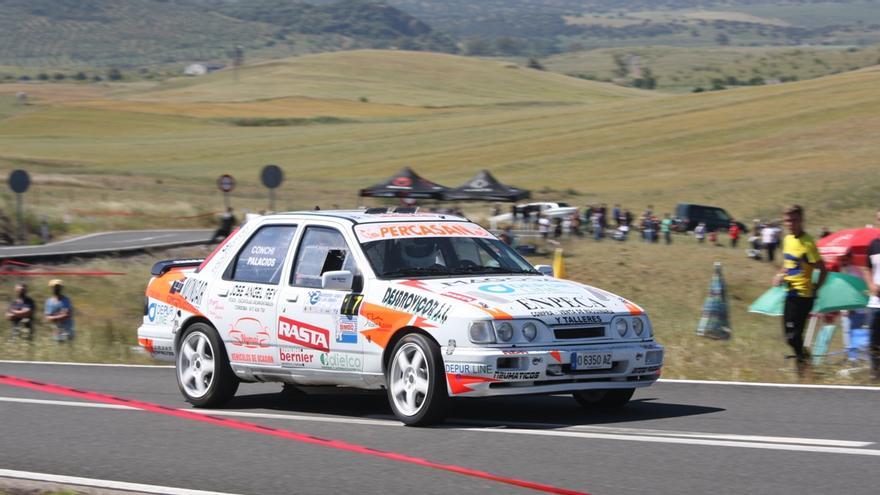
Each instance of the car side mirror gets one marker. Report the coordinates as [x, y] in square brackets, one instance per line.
[337, 280]
[545, 270]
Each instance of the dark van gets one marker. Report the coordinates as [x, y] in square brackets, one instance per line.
[688, 216]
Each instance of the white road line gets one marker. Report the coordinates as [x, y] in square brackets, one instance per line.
[686, 441]
[106, 365]
[867, 388]
[99, 483]
[819, 445]
[777, 385]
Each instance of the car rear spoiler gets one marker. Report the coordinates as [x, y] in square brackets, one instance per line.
[163, 266]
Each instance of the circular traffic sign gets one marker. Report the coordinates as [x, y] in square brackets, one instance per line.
[272, 176]
[226, 183]
[19, 181]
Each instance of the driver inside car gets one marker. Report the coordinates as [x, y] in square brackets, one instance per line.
[422, 253]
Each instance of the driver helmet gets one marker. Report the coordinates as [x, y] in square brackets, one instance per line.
[421, 253]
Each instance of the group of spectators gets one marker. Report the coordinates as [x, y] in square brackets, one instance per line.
[58, 313]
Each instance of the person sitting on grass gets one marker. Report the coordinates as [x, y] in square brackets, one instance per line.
[59, 312]
[21, 313]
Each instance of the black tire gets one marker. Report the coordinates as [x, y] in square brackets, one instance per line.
[606, 400]
[223, 384]
[435, 403]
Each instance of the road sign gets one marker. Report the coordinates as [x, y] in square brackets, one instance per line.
[272, 176]
[19, 181]
[226, 183]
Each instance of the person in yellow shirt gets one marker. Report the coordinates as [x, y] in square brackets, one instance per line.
[799, 258]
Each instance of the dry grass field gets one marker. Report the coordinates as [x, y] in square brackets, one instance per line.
[148, 155]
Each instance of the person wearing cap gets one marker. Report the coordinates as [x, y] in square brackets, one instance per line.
[21, 313]
[59, 312]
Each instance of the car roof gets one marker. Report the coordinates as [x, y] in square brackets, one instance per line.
[374, 215]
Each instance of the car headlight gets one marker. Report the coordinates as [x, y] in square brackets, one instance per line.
[481, 332]
[530, 331]
[638, 326]
[504, 331]
[622, 326]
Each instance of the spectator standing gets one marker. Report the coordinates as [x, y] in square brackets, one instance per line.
[21, 313]
[615, 215]
[597, 225]
[576, 225]
[871, 275]
[544, 226]
[733, 232]
[59, 312]
[666, 228]
[227, 222]
[770, 240]
[800, 258]
[700, 232]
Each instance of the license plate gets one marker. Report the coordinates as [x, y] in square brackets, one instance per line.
[591, 361]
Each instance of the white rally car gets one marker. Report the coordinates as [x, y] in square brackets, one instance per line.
[427, 307]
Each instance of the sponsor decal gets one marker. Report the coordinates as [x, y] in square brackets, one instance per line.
[460, 297]
[516, 375]
[262, 256]
[160, 314]
[426, 307]
[216, 308]
[378, 231]
[155, 349]
[249, 333]
[176, 287]
[303, 334]
[323, 302]
[351, 304]
[576, 302]
[578, 319]
[246, 357]
[497, 289]
[346, 330]
[450, 347]
[295, 357]
[252, 298]
[341, 361]
[468, 368]
[194, 290]
[314, 297]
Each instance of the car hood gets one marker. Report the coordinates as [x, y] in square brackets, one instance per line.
[552, 300]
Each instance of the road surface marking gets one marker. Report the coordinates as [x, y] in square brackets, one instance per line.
[523, 428]
[278, 433]
[106, 365]
[777, 385]
[99, 483]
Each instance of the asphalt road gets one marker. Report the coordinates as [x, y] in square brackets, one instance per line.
[679, 438]
[110, 242]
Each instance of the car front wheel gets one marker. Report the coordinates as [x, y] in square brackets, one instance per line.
[604, 399]
[416, 381]
[203, 373]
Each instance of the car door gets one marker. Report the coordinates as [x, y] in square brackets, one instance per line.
[242, 302]
[318, 327]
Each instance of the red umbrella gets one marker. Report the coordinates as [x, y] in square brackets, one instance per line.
[855, 241]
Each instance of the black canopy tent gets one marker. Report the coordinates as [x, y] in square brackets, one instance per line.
[405, 184]
[485, 187]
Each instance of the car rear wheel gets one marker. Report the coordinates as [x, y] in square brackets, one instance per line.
[416, 382]
[604, 399]
[203, 373]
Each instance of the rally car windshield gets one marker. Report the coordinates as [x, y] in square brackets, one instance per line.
[443, 257]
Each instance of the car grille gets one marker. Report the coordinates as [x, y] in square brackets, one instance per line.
[579, 333]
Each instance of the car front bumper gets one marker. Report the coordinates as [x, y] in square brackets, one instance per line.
[482, 371]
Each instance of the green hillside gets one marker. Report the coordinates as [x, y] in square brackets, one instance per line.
[130, 33]
[685, 69]
[408, 78]
[749, 149]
